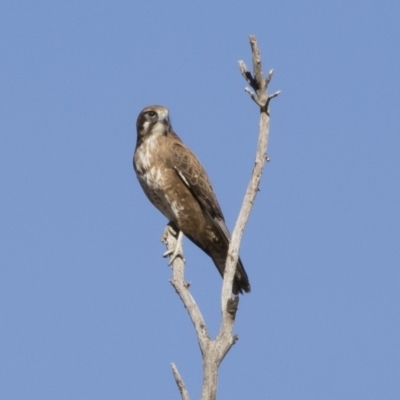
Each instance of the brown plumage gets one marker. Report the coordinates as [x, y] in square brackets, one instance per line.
[176, 183]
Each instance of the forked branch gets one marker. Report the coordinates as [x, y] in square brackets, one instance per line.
[214, 350]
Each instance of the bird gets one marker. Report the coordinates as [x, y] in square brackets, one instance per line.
[176, 183]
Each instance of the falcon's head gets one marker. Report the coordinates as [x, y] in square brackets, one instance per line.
[153, 120]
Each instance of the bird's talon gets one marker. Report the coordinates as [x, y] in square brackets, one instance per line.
[174, 254]
[177, 251]
[167, 253]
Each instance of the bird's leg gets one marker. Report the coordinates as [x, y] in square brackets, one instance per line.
[178, 250]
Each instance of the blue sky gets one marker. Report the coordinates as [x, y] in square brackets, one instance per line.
[86, 309]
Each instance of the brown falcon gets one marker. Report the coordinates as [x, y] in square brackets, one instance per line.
[176, 183]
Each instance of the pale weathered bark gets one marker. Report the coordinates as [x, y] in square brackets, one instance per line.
[214, 350]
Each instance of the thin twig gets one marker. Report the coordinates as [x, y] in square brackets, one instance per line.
[179, 382]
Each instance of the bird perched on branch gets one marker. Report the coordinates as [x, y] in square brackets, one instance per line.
[176, 183]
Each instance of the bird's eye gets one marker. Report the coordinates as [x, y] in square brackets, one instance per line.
[152, 114]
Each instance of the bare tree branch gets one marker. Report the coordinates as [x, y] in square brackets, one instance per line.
[261, 98]
[179, 381]
[182, 288]
[214, 351]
